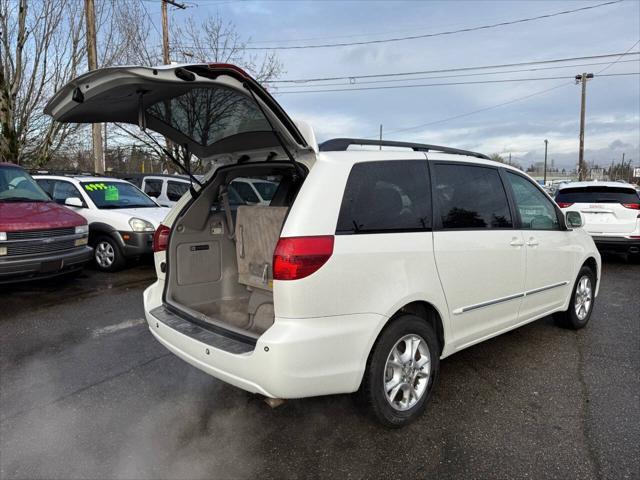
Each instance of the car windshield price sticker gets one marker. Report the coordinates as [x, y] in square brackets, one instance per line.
[92, 187]
[111, 194]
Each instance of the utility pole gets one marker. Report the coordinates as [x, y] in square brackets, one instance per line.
[165, 29]
[92, 56]
[546, 142]
[380, 136]
[583, 80]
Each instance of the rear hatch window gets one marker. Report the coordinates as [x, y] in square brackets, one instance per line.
[597, 195]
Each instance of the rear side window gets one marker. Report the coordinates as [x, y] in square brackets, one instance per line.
[175, 190]
[386, 197]
[470, 197]
[63, 190]
[246, 192]
[153, 188]
[597, 194]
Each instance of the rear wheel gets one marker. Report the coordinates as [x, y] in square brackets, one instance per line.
[401, 371]
[107, 255]
[582, 299]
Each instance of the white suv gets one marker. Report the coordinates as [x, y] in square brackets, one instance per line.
[611, 212]
[121, 218]
[365, 269]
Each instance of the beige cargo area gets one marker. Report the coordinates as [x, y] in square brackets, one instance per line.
[221, 270]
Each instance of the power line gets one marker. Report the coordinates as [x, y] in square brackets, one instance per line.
[477, 82]
[492, 107]
[618, 59]
[459, 75]
[150, 18]
[458, 69]
[438, 34]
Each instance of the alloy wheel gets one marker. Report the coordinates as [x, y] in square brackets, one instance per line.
[583, 297]
[105, 254]
[407, 372]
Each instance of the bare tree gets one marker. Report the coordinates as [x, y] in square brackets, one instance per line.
[40, 50]
[214, 40]
[42, 47]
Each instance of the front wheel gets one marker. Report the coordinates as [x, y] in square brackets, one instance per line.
[582, 300]
[107, 255]
[401, 371]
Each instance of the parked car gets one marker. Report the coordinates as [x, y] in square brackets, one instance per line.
[611, 212]
[166, 189]
[121, 217]
[38, 238]
[367, 267]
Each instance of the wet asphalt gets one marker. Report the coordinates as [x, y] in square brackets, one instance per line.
[86, 392]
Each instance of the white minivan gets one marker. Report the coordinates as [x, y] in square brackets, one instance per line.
[365, 269]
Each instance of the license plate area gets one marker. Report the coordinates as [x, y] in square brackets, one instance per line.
[51, 266]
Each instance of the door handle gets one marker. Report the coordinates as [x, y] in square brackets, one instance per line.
[516, 242]
[532, 242]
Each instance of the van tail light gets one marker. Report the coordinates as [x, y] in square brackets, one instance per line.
[632, 206]
[161, 238]
[564, 204]
[299, 257]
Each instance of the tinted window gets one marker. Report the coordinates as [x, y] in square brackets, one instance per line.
[175, 190]
[63, 190]
[536, 211]
[386, 197]
[153, 188]
[245, 191]
[597, 194]
[470, 197]
[207, 115]
[46, 185]
[266, 189]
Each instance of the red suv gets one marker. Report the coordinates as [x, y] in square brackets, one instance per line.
[38, 237]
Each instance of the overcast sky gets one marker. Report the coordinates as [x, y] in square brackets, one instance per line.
[613, 103]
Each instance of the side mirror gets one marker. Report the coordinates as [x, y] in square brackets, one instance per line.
[574, 220]
[73, 202]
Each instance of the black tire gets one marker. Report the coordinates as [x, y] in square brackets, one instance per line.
[106, 247]
[634, 258]
[373, 391]
[570, 318]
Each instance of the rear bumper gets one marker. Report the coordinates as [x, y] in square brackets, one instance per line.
[27, 267]
[294, 358]
[617, 244]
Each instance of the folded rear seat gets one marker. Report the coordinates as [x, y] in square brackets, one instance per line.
[257, 231]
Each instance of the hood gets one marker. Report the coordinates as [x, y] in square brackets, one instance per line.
[211, 109]
[22, 216]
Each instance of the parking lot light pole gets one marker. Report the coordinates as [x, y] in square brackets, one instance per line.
[546, 142]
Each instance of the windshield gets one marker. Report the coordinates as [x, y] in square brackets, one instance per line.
[16, 185]
[207, 115]
[107, 195]
[266, 189]
[597, 195]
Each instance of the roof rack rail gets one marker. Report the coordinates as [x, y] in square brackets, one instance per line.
[342, 144]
